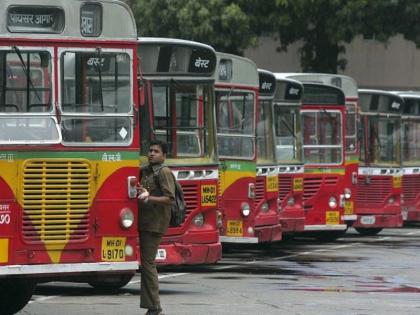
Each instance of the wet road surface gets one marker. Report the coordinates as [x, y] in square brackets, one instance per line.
[353, 275]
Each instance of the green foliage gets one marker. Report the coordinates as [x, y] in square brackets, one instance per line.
[215, 22]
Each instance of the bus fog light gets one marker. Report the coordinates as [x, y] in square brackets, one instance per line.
[291, 201]
[347, 193]
[332, 203]
[250, 231]
[126, 218]
[129, 251]
[199, 220]
[245, 209]
[264, 207]
[391, 200]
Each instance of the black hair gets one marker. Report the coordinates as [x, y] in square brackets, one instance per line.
[161, 144]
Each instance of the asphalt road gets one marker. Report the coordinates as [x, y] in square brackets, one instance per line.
[353, 275]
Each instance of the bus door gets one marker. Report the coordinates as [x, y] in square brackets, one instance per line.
[288, 152]
[323, 117]
[179, 110]
[267, 224]
[410, 147]
[379, 180]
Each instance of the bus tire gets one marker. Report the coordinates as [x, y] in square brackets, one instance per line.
[368, 231]
[15, 293]
[111, 282]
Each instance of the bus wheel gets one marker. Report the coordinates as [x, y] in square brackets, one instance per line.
[368, 231]
[111, 282]
[15, 293]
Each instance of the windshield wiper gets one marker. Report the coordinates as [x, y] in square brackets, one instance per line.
[25, 70]
[288, 127]
[98, 68]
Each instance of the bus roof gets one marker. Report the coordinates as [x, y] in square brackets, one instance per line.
[287, 90]
[168, 57]
[267, 82]
[411, 106]
[88, 19]
[380, 102]
[346, 83]
[236, 70]
[322, 94]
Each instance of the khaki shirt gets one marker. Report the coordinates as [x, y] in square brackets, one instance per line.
[155, 217]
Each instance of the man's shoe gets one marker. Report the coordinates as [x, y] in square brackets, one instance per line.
[154, 312]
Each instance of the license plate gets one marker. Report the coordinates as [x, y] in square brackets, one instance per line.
[161, 254]
[332, 217]
[113, 249]
[348, 207]
[368, 219]
[234, 228]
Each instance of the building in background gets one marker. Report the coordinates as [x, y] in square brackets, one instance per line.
[371, 63]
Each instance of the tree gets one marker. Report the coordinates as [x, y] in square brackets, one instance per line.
[219, 23]
[325, 26]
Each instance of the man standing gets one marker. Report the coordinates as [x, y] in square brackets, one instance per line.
[156, 195]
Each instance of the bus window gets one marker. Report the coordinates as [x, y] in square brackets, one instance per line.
[96, 82]
[285, 132]
[264, 135]
[322, 137]
[26, 81]
[177, 121]
[235, 119]
[351, 128]
[383, 135]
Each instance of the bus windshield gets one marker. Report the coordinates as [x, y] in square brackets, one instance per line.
[25, 93]
[322, 137]
[181, 117]
[265, 133]
[411, 142]
[96, 102]
[383, 135]
[287, 134]
[235, 124]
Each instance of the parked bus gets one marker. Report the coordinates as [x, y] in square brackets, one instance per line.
[349, 86]
[69, 145]
[379, 181]
[237, 86]
[177, 77]
[267, 185]
[288, 153]
[410, 156]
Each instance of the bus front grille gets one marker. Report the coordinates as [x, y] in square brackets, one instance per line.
[373, 191]
[285, 185]
[410, 187]
[259, 189]
[55, 200]
[191, 197]
[311, 186]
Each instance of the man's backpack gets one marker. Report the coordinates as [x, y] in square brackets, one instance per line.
[178, 208]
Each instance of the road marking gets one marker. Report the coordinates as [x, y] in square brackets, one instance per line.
[44, 298]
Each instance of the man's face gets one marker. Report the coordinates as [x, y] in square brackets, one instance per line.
[155, 155]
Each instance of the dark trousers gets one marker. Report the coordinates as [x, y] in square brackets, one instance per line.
[149, 244]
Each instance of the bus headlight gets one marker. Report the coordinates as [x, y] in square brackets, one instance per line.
[245, 209]
[332, 203]
[199, 220]
[291, 201]
[347, 193]
[126, 218]
[264, 207]
[391, 200]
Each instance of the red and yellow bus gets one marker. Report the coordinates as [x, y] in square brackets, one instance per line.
[177, 77]
[69, 144]
[378, 194]
[288, 152]
[410, 156]
[267, 185]
[323, 117]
